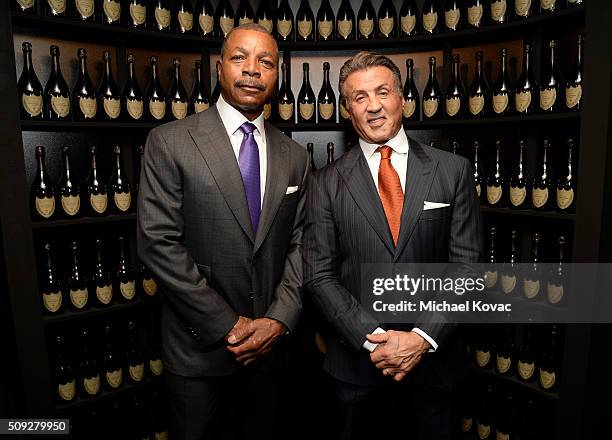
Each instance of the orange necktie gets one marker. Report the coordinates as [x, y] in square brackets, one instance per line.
[390, 190]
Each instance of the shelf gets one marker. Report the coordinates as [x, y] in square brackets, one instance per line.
[69, 315]
[83, 221]
[89, 126]
[527, 213]
[528, 386]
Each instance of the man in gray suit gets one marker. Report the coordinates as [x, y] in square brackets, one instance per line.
[389, 199]
[220, 215]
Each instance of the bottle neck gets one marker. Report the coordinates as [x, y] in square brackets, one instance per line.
[40, 165]
[526, 62]
[569, 164]
[497, 163]
[409, 74]
[544, 164]
[83, 67]
[432, 71]
[520, 164]
[118, 163]
[306, 77]
[326, 77]
[284, 76]
[154, 72]
[504, 65]
[55, 65]
[75, 261]
[27, 61]
[456, 71]
[579, 56]
[177, 74]
[49, 261]
[552, 59]
[131, 71]
[479, 68]
[67, 166]
[107, 69]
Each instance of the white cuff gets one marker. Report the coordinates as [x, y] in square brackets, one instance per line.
[370, 346]
[428, 338]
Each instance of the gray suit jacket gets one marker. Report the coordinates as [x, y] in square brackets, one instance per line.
[346, 226]
[195, 235]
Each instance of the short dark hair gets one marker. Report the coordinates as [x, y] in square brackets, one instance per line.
[246, 27]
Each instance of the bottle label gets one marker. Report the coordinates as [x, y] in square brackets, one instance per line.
[71, 204]
[92, 384]
[345, 27]
[409, 108]
[156, 366]
[526, 370]
[523, 101]
[185, 20]
[565, 197]
[466, 424]
[517, 195]
[307, 111]
[554, 293]
[112, 10]
[78, 298]
[548, 5]
[245, 20]
[451, 18]
[135, 108]
[179, 109]
[573, 94]
[475, 15]
[548, 98]
[326, 111]
[498, 10]
[483, 431]
[45, 206]
[136, 372]
[500, 103]
[267, 24]
[127, 289]
[267, 110]
[60, 105]
[494, 194]
[162, 17]
[304, 28]
[32, 104]
[114, 378]
[25, 4]
[478, 190]
[539, 197]
[85, 7]
[430, 107]
[344, 112]
[57, 6]
[149, 286]
[408, 23]
[476, 104]
[104, 294]
[88, 107]
[98, 202]
[66, 390]
[226, 24]
[531, 288]
[157, 109]
[207, 23]
[430, 20]
[325, 28]
[112, 107]
[501, 436]
[285, 111]
[366, 27]
[386, 25]
[161, 435]
[138, 13]
[52, 301]
[123, 201]
[482, 358]
[284, 27]
[522, 7]
[201, 106]
[490, 279]
[503, 364]
[508, 283]
[547, 380]
[452, 106]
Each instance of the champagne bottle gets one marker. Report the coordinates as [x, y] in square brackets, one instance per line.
[523, 8]
[505, 426]
[133, 98]
[139, 153]
[547, 6]
[94, 189]
[504, 357]
[55, 8]
[224, 18]
[25, 6]
[566, 185]
[330, 153]
[42, 193]
[327, 98]
[429, 17]
[140, 418]
[510, 267]
[124, 276]
[497, 182]
[485, 418]
[491, 271]
[475, 13]
[84, 95]
[77, 282]
[206, 18]
[153, 355]
[64, 377]
[57, 94]
[431, 94]
[503, 90]
[479, 174]
[199, 97]
[466, 425]
[455, 94]
[244, 13]
[265, 17]
[573, 87]
[162, 17]
[89, 374]
[101, 281]
[572, 3]
[286, 101]
[552, 84]
[412, 106]
[155, 95]
[550, 362]
[557, 278]
[110, 12]
[184, 17]
[147, 283]
[345, 21]
[526, 87]
[311, 162]
[499, 11]
[134, 356]
[109, 98]
[306, 98]
[479, 91]
[525, 356]
[366, 21]
[284, 22]
[409, 14]
[452, 15]
[69, 190]
[543, 182]
[30, 90]
[305, 22]
[51, 285]
[178, 100]
[520, 191]
[482, 350]
[532, 276]
[387, 20]
[112, 378]
[325, 22]
[84, 10]
[119, 186]
[214, 97]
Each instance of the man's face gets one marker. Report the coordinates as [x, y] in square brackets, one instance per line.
[374, 104]
[248, 70]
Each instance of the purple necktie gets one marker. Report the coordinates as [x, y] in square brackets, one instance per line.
[248, 160]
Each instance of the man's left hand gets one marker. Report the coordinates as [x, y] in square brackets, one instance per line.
[398, 352]
[266, 332]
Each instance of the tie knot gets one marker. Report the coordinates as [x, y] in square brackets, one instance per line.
[385, 152]
[247, 128]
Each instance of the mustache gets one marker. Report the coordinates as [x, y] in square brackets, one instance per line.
[250, 83]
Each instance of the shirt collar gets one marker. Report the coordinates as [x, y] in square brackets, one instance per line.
[232, 119]
[398, 143]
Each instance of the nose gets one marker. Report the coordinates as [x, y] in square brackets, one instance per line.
[251, 67]
[374, 105]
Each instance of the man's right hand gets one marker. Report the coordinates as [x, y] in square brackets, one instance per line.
[240, 331]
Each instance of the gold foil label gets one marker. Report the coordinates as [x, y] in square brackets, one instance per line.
[246, 20]
[32, 104]
[179, 109]
[508, 283]
[408, 23]
[498, 10]
[539, 197]
[517, 195]
[123, 201]
[345, 27]
[45, 206]
[326, 111]
[476, 104]
[521, 7]
[409, 108]
[466, 424]
[267, 24]
[52, 301]
[157, 109]
[451, 18]
[284, 27]
[78, 298]
[482, 358]
[114, 378]
[104, 294]
[547, 5]
[526, 370]
[554, 293]
[26, 4]
[490, 279]
[494, 194]
[85, 7]
[201, 106]
[483, 431]
[548, 98]
[88, 107]
[59, 6]
[565, 197]
[71, 204]
[386, 25]
[112, 10]
[161, 435]
[547, 380]
[304, 28]
[430, 107]
[523, 101]
[478, 190]
[162, 16]
[430, 20]
[92, 385]
[500, 103]
[136, 372]
[128, 289]
[138, 13]
[503, 364]
[366, 27]
[99, 202]
[112, 107]
[67, 390]
[156, 366]
[186, 20]
[149, 286]
[501, 436]
[573, 94]
[344, 112]
[226, 24]
[307, 111]
[452, 106]
[531, 288]
[60, 105]
[325, 28]
[207, 23]
[285, 111]
[135, 108]
[475, 15]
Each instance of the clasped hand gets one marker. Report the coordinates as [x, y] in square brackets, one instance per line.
[397, 352]
[252, 339]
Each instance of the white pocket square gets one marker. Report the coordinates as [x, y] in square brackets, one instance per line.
[434, 205]
[292, 189]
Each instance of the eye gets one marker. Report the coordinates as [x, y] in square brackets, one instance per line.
[237, 57]
[359, 98]
[267, 63]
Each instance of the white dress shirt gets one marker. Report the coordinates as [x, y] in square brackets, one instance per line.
[232, 120]
[399, 159]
